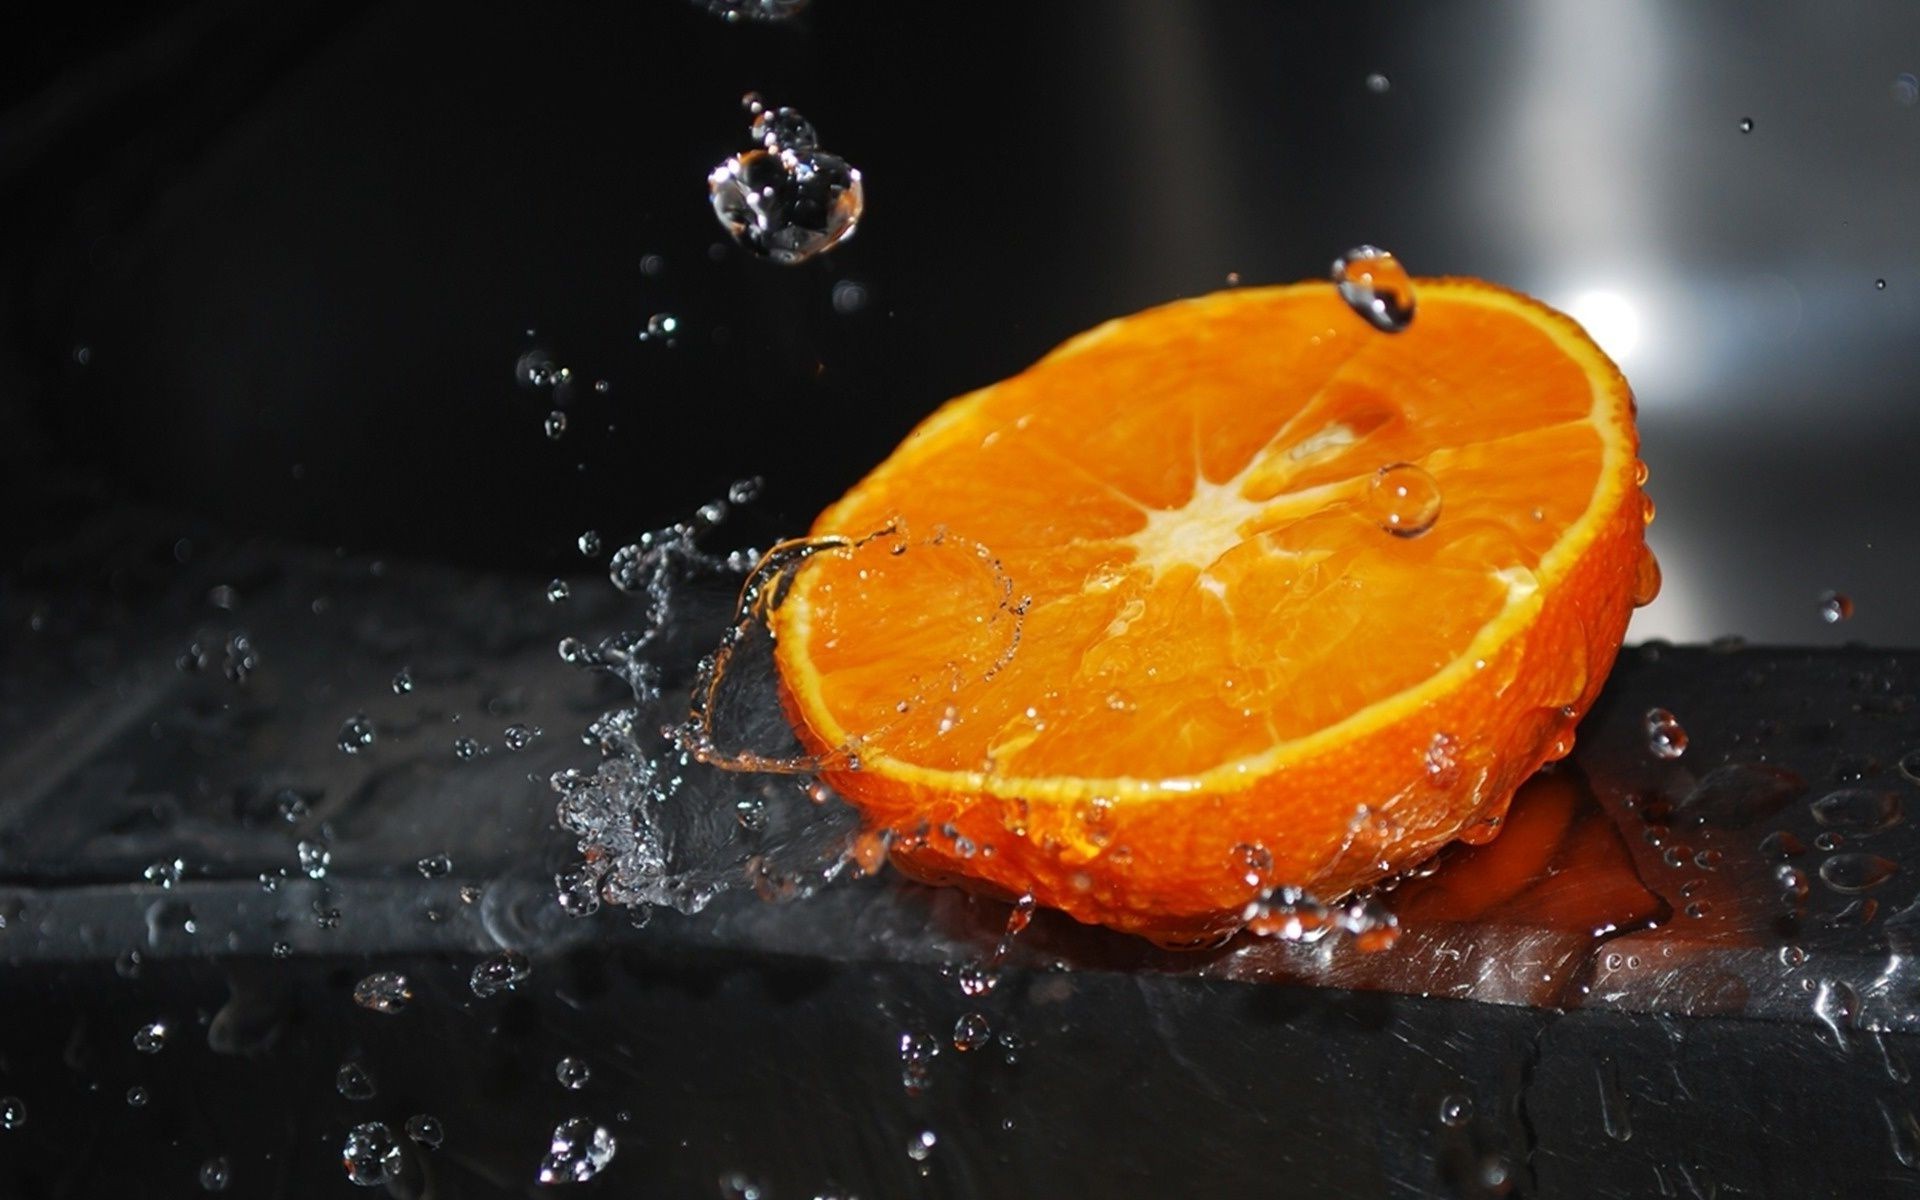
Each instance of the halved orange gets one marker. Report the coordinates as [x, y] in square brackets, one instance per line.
[1169, 618]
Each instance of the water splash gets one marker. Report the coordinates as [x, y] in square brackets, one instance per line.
[788, 200]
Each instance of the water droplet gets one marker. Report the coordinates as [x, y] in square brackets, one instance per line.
[13, 1112]
[920, 1145]
[556, 425]
[1906, 88]
[282, 950]
[519, 737]
[151, 1038]
[402, 684]
[787, 202]
[1375, 285]
[589, 543]
[1403, 499]
[1290, 915]
[425, 1130]
[756, 10]
[1853, 873]
[572, 1073]
[372, 1155]
[1378, 84]
[745, 491]
[127, 965]
[1665, 737]
[971, 1032]
[849, 296]
[1835, 607]
[661, 327]
[136, 1097]
[383, 992]
[976, 979]
[434, 866]
[783, 129]
[578, 890]
[164, 874]
[917, 1052]
[353, 1082]
[1879, 285]
[558, 591]
[499, 973]
[578, 1151]
[738, 1185]
[1646, 578]
[315, 858]
[466, 749]
[356, 732]
[1859, 809]
[1746, 124]
[1836, 1004]
[1455, 1110]
[215, 1174]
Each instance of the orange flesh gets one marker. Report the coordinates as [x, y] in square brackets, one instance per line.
[1221, 647]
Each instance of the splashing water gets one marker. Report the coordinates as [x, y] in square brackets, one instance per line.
[578, 1150]
[754, 10]
[788, 200]
[372, 1155]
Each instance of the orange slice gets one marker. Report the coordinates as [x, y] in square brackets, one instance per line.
[1234, 593]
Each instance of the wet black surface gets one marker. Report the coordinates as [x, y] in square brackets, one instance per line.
[264, 279]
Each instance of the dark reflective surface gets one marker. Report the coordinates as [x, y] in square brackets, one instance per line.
[266, 275]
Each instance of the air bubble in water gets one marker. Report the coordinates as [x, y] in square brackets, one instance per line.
[151, 1038]
[425, 1130]
[1403, 499]
[1665, 737]
[1835, 607]
[1375, 285]
[466, 749]
[786, 201]
[371, 1155]
[572, 1073]
[215, 1174]
[971, 1032]
[353, 1082]
[499, 973]
[577, 1152]
[356, 732]
[383, 992]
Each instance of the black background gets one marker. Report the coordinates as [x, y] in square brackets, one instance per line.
[301, 246]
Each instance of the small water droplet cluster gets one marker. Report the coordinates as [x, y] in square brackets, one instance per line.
[787, 200]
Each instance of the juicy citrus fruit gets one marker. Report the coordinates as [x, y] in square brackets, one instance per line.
[1166, 620]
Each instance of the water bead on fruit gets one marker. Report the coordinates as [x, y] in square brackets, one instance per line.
[1403, 499]
[1375, 285]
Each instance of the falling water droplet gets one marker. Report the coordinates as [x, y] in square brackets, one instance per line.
[578, 1150]
[215, 1174]
[13, 1112]
[787, 202]
[661, 327]
[556, 424]
[1746, 124]
[572, 1073]
[356, 732]
[353, 1082]
[164, 874]
[371, 1155]
[151, 1038]
[558, 590]
[971, 1032]
[917, 1052]
[402, 684]
[1455, 1110]
[315, 858]
[1375, 285]
[920, 1146]
[136, 1097]
[425, 1130]
[1665, 737]
[1835, 607]
[754, 10]
[383, 992]
[1879, 285]
[519, 737]
[1378, 84]
[434, 866]
[1403, 499]
[589, 543]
